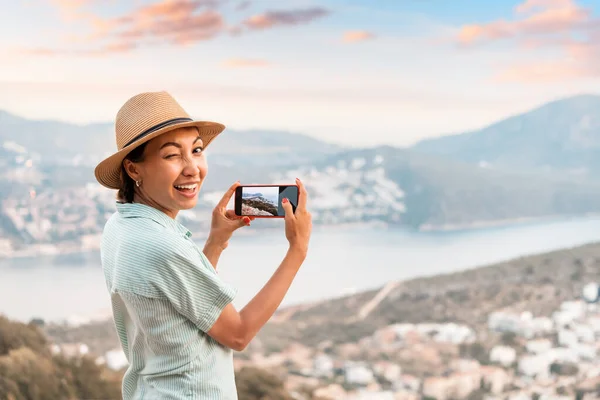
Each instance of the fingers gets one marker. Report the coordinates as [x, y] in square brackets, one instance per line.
[287, 206]
[241, 221]
[302, 195]
[244, 221]
[232, 215]
[227, 196]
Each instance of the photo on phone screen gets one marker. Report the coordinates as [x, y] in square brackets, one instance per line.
[265, 201]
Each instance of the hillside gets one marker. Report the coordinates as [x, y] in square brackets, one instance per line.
[537, 284]
[423, 192]
[520, 324]
[60, 143]
[560, 136]
[50, 196]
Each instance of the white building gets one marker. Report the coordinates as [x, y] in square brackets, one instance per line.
[503, 355]
[536, 366]
[115, 359]
[521, 324]
[569, 312]
[538, 346]
[358, 374]
[323, 366]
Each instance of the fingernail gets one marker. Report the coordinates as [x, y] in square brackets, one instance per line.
[247, 220]
[285, 200]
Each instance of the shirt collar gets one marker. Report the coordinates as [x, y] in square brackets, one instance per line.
[137, 210]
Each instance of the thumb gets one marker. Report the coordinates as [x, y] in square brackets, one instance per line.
[244, 221]
[287, 206]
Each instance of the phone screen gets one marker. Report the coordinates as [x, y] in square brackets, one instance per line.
[264, 201]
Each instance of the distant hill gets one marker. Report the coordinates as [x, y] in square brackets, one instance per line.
[537, 283]
[562, 136]
[62, 143]
[47, 166]
[424, 191]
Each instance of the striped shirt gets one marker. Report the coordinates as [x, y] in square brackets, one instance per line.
[165, 296]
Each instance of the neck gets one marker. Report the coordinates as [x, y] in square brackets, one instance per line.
[140, 198]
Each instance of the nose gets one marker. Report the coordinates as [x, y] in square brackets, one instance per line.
[190, 167]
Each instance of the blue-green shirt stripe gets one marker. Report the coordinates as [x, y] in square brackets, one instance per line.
[165, 296]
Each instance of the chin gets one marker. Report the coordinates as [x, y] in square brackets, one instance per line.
[189, 204]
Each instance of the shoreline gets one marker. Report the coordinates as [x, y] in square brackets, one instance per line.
[64, 249]
[504, 223]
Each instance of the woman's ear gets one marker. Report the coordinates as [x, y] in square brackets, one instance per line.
[132, 170]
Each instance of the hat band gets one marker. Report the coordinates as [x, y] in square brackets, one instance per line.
[157, 127]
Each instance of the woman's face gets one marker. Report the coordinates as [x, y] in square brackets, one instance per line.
[172, 172]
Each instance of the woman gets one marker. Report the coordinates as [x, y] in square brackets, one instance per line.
[172, 312]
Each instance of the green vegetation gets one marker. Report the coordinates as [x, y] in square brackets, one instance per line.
[256, 384]
[28, 370]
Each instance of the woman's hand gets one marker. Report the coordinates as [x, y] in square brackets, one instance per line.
[298, 226]
[224, 223]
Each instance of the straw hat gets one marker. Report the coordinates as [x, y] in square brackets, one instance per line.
[142, 118]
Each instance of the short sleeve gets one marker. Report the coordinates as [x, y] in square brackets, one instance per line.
[192, 286]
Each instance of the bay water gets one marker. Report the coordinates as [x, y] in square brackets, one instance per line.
[341, 260]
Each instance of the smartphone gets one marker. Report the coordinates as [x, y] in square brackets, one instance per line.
[264, 201]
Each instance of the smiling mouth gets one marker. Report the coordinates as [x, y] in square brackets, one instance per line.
[186, 188]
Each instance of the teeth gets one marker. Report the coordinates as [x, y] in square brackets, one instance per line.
[191, 187]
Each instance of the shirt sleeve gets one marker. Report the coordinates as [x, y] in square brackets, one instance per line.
[192, 286]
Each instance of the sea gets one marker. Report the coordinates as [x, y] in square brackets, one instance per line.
[341, 261]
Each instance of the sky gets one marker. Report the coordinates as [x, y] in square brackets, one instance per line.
[355, 72]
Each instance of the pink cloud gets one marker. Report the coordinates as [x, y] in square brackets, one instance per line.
[544, 25]
[71, 10]
[357, 36]
[542, 72]
[550, 17]
[94, 52]
[532, 5]
[177, 22]
[270, 19]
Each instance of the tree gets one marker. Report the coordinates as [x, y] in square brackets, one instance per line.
[256, 384]
[29, 376]
[29, 372]
[14, 335]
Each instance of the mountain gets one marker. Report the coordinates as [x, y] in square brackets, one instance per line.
[50, 195]
[421, 191]
[59, 143]
[562, 136]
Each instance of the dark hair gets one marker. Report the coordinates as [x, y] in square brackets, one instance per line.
[127, 189]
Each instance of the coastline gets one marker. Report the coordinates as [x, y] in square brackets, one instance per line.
[91, 243]
[504, 223]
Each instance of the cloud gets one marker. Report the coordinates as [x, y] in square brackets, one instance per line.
[245, 62]
[530, 5]
[70, 9]
[560, 26]
[93, 52]
[550, 18]
[541, 72]
[171, 21]
[175, 22]
[357, 36]
[270, 19]
[242, 5]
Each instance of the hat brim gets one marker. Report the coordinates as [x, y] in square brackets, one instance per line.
[108, 171]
